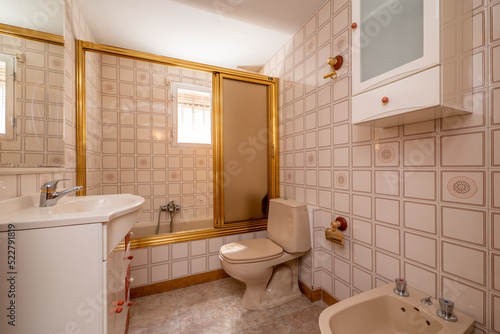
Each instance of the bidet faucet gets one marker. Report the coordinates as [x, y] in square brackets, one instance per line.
[400, 288]
[446, 311]
[49, 196]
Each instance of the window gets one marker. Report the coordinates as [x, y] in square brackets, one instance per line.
[7, 66]
[192, 115]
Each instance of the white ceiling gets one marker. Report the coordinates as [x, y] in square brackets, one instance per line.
[225, 33]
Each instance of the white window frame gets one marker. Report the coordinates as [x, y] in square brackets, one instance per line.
[175, 86]
[9, 97]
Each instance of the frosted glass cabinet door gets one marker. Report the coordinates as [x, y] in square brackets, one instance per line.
[392, 40]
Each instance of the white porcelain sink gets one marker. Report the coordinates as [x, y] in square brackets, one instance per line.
[25, 213]
[381, 311]
[94, 204]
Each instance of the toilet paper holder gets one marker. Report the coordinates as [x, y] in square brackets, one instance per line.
[334, 233]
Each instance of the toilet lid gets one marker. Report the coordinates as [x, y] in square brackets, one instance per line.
[252, 250]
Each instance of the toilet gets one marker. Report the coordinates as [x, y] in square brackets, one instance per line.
[269, 267]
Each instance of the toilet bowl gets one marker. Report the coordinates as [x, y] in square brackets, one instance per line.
[269, 267]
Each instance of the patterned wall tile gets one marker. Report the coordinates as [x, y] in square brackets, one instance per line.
[387, 211]
[465, 262]
[464, 225]
[422, 279]
[463, 187]
[471, 147]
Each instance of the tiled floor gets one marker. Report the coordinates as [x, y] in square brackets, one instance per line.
[215, 308]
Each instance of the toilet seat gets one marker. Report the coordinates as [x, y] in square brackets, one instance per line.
[248, 251]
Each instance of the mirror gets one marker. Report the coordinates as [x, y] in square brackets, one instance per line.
[39, 15]
[37, 117]
[32, 117]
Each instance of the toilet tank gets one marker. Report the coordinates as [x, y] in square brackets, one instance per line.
[288, 225]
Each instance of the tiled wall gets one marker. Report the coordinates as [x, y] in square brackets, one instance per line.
[39, 104]
[422, 200]
[138, 156]
[160, 263]
[94, 123]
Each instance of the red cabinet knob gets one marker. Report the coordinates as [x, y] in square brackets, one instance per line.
[130, 257]
[119, 309]
[129, 303]
[385, 99]
[120, 303]
[354, 25]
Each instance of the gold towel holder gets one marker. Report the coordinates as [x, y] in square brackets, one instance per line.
[334, 233]
[336, 64]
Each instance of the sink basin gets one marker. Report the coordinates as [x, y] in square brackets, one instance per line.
[92, 203]
[380, 311]
[25, 212]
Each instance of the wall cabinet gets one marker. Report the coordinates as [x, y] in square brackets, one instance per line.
[69, 279]
[411, 60]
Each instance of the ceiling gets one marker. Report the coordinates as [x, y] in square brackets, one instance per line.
[225, 33]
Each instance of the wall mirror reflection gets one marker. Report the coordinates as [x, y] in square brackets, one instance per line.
[32, 118]
[7, 97]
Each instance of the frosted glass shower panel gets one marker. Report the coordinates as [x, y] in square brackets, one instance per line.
[245, 145]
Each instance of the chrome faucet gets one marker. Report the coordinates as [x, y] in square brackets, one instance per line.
[446, 311]
[400, 288]
[49, 196]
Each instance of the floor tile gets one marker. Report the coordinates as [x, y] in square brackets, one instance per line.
[215, 308]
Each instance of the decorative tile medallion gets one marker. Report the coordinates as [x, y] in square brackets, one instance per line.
[386, 154]
[462, 187]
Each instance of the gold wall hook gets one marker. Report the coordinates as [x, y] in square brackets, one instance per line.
[339, 223]
[336, 64]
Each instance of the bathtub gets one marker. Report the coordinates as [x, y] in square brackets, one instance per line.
[148, 229]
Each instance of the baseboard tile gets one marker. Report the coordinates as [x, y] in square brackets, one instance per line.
[327, 298]
[318, 294]
[177, 283]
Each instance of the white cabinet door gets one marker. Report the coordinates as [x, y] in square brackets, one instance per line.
[57, 280]
[393, 39]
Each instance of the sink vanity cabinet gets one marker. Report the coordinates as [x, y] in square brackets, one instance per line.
[66, 272]
[118, 280]
[411, 60]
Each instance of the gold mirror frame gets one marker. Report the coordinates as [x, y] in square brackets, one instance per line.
[33, 35]
[218, 74]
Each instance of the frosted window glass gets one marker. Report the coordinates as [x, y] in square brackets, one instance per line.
[392, 34]
[194, 121]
